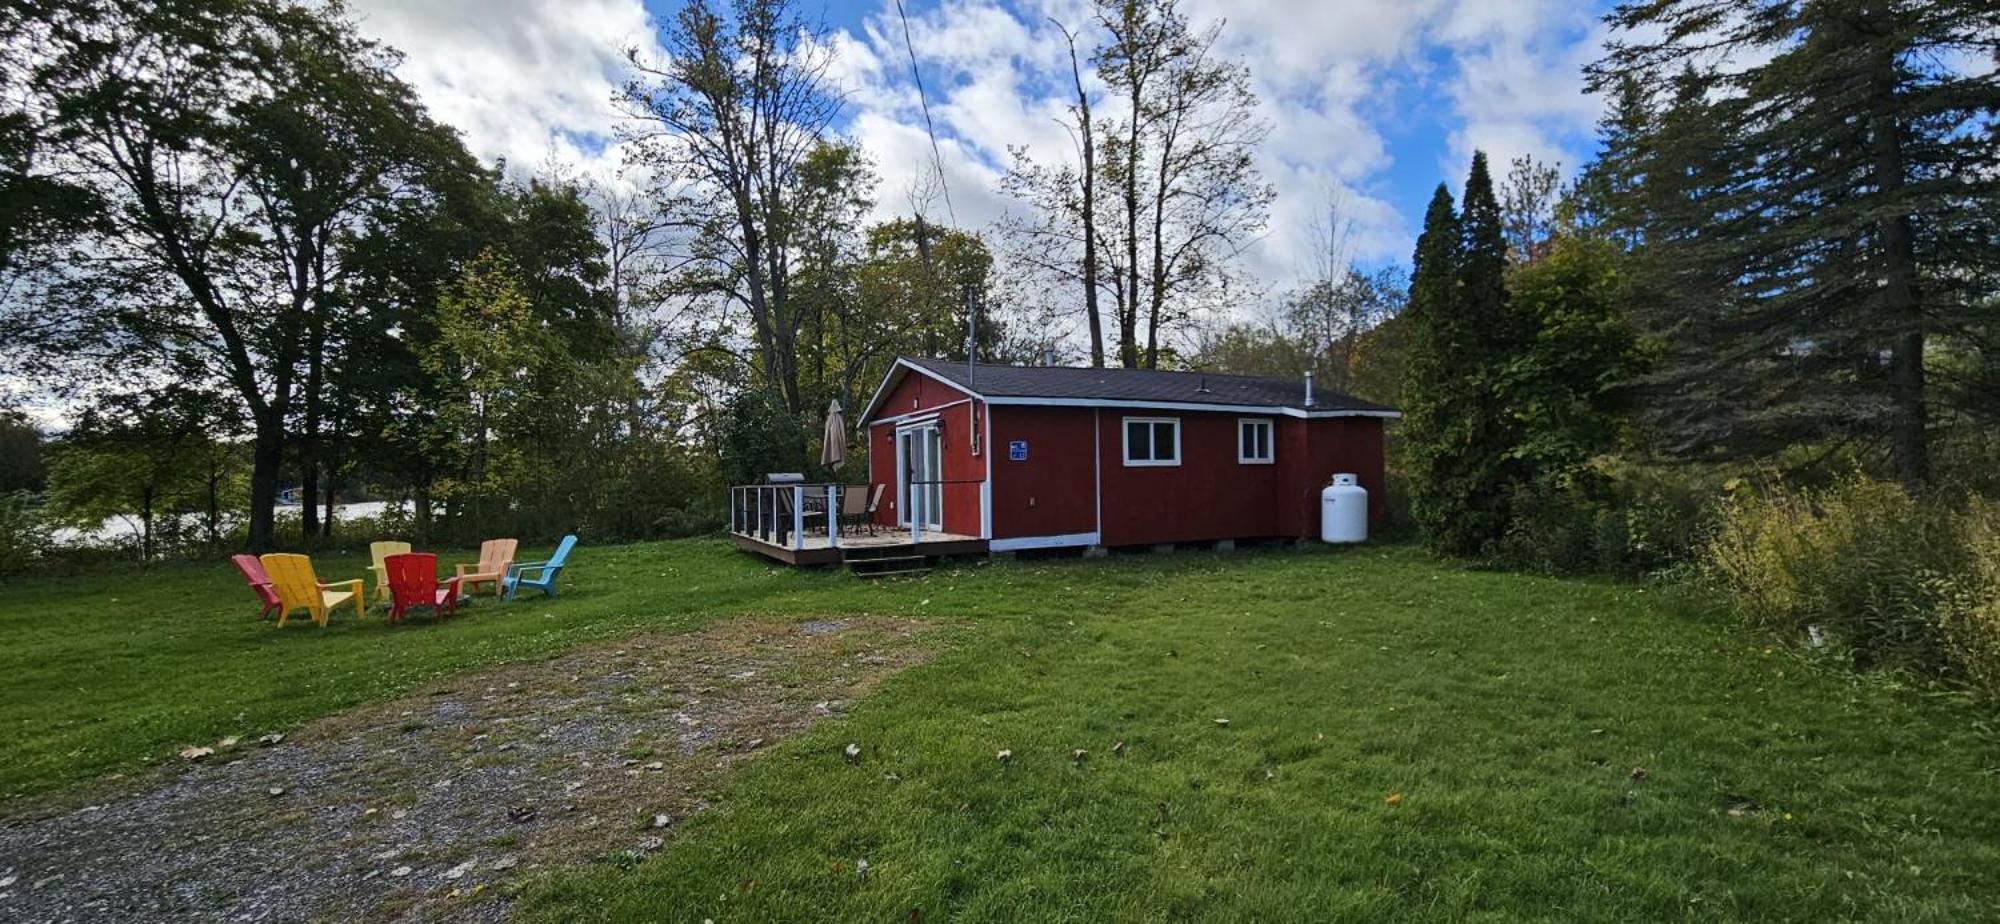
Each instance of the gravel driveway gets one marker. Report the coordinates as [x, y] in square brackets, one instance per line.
[431, 807]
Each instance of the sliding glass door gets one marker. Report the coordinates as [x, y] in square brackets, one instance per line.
[919, 490]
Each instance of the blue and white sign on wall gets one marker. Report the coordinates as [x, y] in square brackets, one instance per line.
[1017, 451]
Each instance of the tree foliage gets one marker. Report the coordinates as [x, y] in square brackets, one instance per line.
[732, 120]
[1459, 433]
[1809, 188]
[233, 149]
[1567, 392]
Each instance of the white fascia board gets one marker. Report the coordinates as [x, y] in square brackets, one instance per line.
[902, 365]
[1187, 406]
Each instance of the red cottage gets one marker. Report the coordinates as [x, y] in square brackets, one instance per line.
[980, 457]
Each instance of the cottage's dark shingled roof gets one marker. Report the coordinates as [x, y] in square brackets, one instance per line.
[1071, 382]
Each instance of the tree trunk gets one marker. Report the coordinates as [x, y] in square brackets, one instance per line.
[309, 444]
[1909, 447]
[420, 509]
[146, 526]
[1157, 292]
[212, 525]
[267, 457]
[1128, 311]
[326, 521]
[1088, 208]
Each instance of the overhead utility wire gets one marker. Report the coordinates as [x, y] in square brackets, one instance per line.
[937, 159]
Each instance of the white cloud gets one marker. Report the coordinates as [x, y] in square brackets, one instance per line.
[524, 80]
[1519, 87]
[1344, 85]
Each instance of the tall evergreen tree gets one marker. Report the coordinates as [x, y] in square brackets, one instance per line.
[1835, 196]
[1465, 340]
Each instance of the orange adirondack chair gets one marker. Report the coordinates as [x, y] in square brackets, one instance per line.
[413, 583]
[298, 587]
[260, 583]
[494, 557]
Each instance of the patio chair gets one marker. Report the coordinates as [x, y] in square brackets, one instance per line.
[544, 572]
[380, 552]
[494, 557]
[298, 587]
[857, 507]
[260, 583]
[413, 584]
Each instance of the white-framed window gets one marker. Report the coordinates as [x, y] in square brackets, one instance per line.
[1253, 441]
[1152, 441]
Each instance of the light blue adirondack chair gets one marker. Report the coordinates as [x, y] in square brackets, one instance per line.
[544, 571]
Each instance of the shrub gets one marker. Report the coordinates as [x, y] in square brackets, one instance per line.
[24, 535]
[1618, 519]
[1971, 616]
[1896, 580]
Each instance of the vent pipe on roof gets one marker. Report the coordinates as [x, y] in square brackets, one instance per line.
[1049, 356]
[1309, 388]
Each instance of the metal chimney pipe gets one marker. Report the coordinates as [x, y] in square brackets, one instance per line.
[1309, 388]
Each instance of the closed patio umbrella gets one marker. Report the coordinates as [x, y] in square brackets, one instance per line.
[833, 450]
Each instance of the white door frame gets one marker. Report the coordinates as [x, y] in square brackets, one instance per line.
[927, 434]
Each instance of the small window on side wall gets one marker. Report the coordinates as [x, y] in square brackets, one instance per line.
[1253, 441]
[1152, 441]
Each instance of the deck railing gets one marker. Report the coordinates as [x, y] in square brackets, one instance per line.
[781, 514]
[785, 515]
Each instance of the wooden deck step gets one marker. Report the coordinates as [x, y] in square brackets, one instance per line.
[875, 566]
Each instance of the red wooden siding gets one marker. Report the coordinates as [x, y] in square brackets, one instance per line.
[916, 393]
[1208, 496]
[1051, 493]
[1313, 451]
[1074, 453]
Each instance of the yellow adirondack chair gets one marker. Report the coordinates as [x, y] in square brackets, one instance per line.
[494, 557]
[380, 552]
[298, 587]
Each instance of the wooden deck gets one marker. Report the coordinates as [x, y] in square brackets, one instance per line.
[815, 549]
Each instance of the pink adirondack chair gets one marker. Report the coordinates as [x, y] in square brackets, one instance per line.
[413, 583]
[260, 583]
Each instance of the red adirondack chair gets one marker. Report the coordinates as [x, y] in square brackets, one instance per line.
[413, 582]
[260, 582]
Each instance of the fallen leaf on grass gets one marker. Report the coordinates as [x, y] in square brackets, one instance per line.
[1394, 798]
[192, 752]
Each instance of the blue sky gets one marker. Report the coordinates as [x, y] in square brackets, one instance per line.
[1371, 102]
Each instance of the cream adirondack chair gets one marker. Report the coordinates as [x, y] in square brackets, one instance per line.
[298, 587]
[494, 557]
[380, 552]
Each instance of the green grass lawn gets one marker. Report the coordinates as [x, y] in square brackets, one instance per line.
[1508, 712]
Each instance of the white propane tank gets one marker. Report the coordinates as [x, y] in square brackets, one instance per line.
[1343, 510]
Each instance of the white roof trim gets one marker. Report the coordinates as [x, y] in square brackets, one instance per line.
[895, 373]
[901, 366]
[1186, 406]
